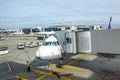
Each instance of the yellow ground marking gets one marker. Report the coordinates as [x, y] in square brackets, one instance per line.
[42, 73]
[73, 68]
[62, 78]
[48, 74]
[20, 77]
[59, 69]
[81, 57]
[74, 61]
[69, 67]
[41, 77]
[65, 78]
[65, 67]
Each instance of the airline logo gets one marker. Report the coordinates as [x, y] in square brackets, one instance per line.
[110, 23]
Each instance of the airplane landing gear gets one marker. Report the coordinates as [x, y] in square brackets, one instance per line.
[60, 64]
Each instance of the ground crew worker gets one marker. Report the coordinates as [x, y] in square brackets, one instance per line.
[60, 64]
[28, 66]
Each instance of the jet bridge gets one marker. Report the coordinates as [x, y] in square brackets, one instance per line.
[94, 42]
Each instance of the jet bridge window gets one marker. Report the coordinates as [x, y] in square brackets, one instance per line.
[68, 40]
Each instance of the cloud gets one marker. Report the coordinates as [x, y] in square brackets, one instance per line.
[52, 11]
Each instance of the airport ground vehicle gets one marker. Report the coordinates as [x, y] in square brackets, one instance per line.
[20, 46]
[3, 49]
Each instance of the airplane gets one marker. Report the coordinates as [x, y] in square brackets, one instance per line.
[50, 50]
[45, 33]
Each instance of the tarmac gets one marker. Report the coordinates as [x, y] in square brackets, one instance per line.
[76, 67]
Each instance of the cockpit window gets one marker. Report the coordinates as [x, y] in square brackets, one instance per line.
[57, 43]
[50, 43]
[46, 44]
[53, 44]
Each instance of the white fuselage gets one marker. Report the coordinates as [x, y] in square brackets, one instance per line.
[50, 49]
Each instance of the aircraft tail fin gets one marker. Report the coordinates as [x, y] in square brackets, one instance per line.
[110, 23]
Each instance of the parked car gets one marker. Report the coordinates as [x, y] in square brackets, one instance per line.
[3, 49]
[20, 46]
[32, 44]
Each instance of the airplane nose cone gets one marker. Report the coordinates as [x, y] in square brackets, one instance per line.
[48, 52]
[38, 54]
[41, 52]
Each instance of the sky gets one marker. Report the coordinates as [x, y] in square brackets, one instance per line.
[31, 13]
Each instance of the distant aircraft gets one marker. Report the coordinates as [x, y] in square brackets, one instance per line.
[50, 49]
[110, 23]
[17, 33]
[46, 33]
